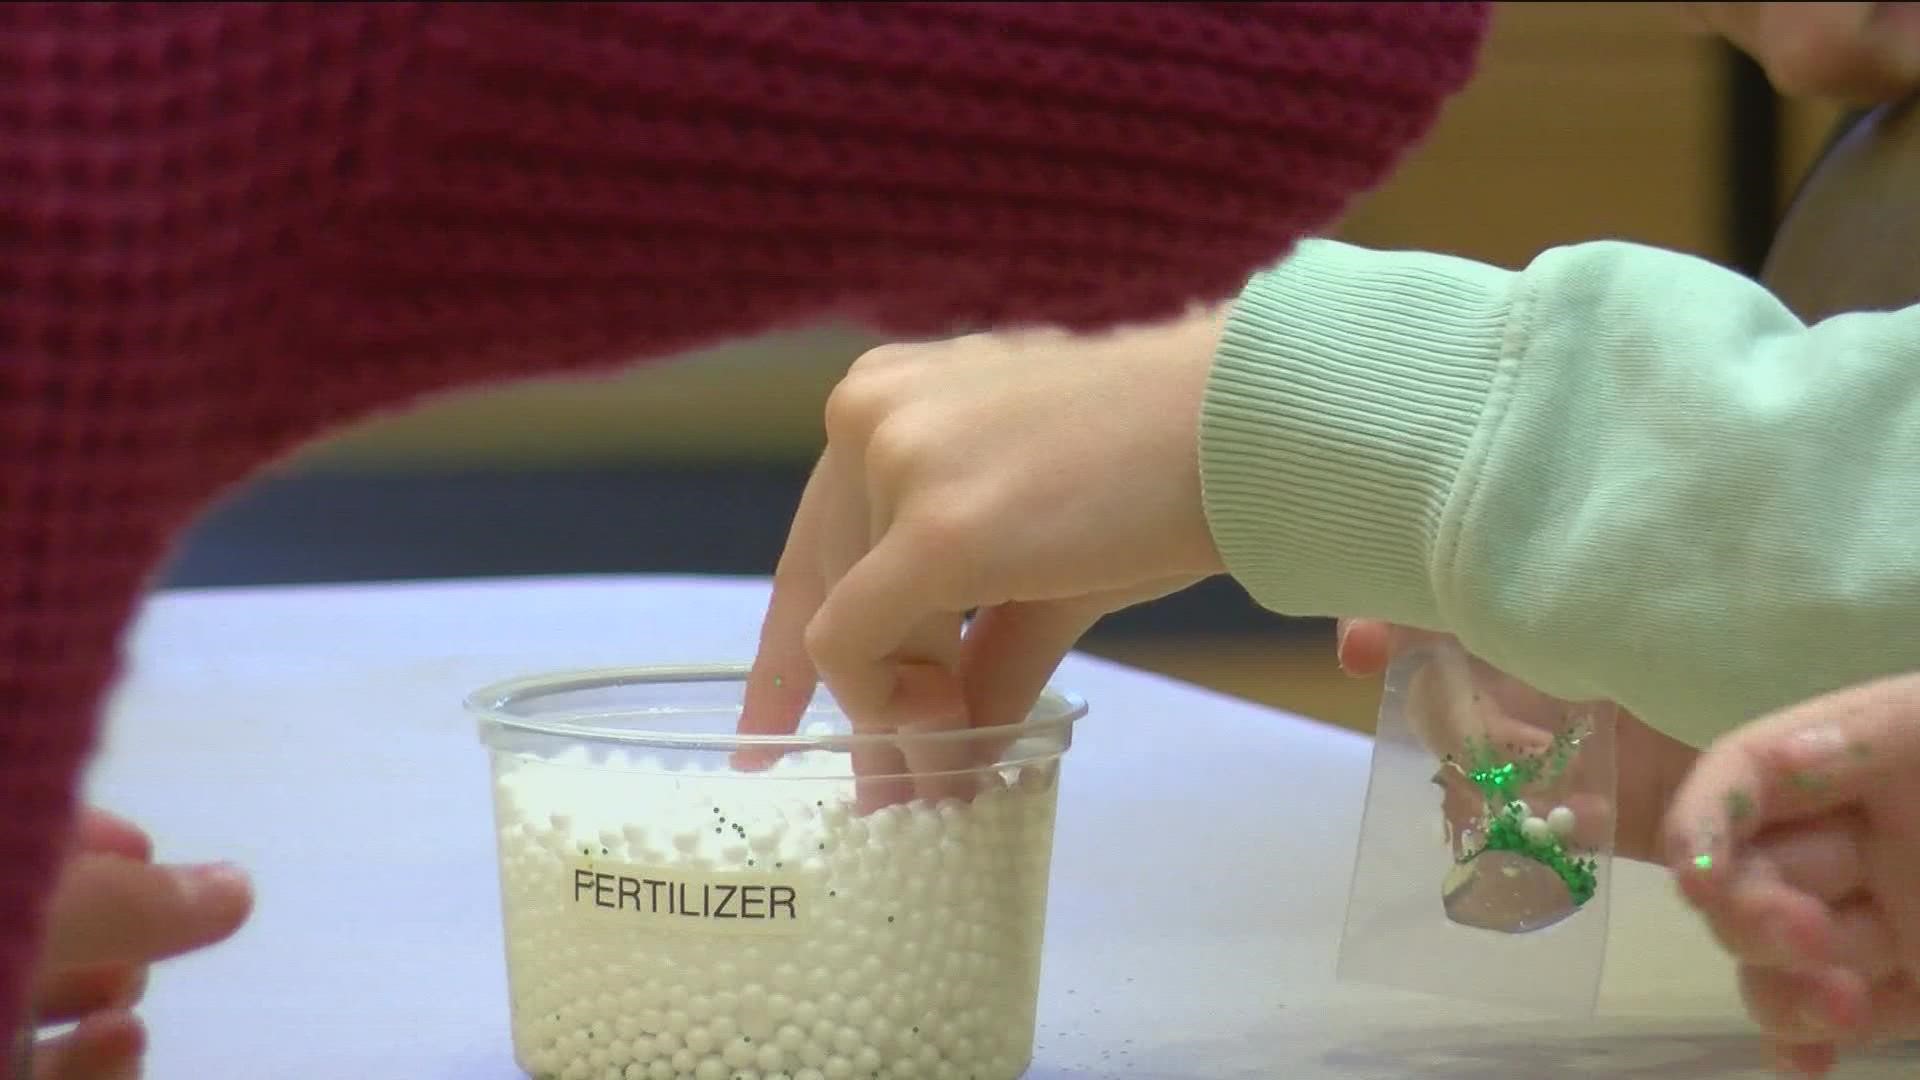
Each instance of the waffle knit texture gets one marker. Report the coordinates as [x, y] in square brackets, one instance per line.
[1619, 473]
[225, 229]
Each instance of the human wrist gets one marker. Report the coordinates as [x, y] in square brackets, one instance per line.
[1341, 404]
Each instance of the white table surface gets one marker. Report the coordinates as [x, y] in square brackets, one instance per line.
[1204, 845]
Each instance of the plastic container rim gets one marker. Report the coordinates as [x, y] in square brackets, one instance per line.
[1055, 710]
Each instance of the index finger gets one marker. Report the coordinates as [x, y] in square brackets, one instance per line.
[1800, 763]
[109, 909]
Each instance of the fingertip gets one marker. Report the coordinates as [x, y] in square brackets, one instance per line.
[221, 895]
[1844, 1000]
[1362, 646]
[103, 1044]
[1811, 1060]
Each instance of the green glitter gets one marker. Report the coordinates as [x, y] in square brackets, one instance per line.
[1808, 781]
[1703, 862]
[1739, 805]
[1500, 783]
[1582, 876]
[778, 682]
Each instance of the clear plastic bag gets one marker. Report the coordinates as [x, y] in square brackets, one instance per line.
[1485, 858]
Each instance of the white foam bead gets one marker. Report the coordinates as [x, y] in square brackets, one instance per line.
[710, 1069]
[812, 1054]
[678, 1021]
[770, 1058]
[866, 1060]
[575, 1070]
[809, 1073]
[1536, 830]
[684, 1060]
[700, 1041]
[635, 1071]
[723, 1028]
[667, 1043]
[847, 1041]
[620, 1052]
[739, 1054]
[660, 1069]
[838, 1068]
[1562, 822]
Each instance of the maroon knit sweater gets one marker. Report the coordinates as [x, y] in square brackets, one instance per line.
[225, 229]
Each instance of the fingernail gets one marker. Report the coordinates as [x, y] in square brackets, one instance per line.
[1341, 630]
[199, 881]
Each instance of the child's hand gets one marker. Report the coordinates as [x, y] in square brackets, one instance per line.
[1859, 53]
[1040, 478]
[1650, 765]
[1798, 838]
[114, 914]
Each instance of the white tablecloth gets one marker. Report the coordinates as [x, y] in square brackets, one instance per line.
[1204, 846]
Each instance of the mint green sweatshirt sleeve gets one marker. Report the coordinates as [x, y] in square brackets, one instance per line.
[1618, 473]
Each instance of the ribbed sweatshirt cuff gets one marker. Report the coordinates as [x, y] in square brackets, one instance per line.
[1343, 406]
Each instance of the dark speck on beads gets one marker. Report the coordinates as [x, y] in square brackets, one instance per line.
[603, 851]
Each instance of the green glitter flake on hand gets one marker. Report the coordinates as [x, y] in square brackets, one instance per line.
[1703, 863]
[1808, 781]
[1739, 805]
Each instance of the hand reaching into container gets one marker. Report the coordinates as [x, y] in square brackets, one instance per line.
[1798, 838]
[1650, 765]
[114, 914]
[1041, 479]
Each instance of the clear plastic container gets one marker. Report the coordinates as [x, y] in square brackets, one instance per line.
[670, 915]
[1506, 901]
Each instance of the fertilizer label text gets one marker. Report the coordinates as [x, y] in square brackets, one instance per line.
[705, 901]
